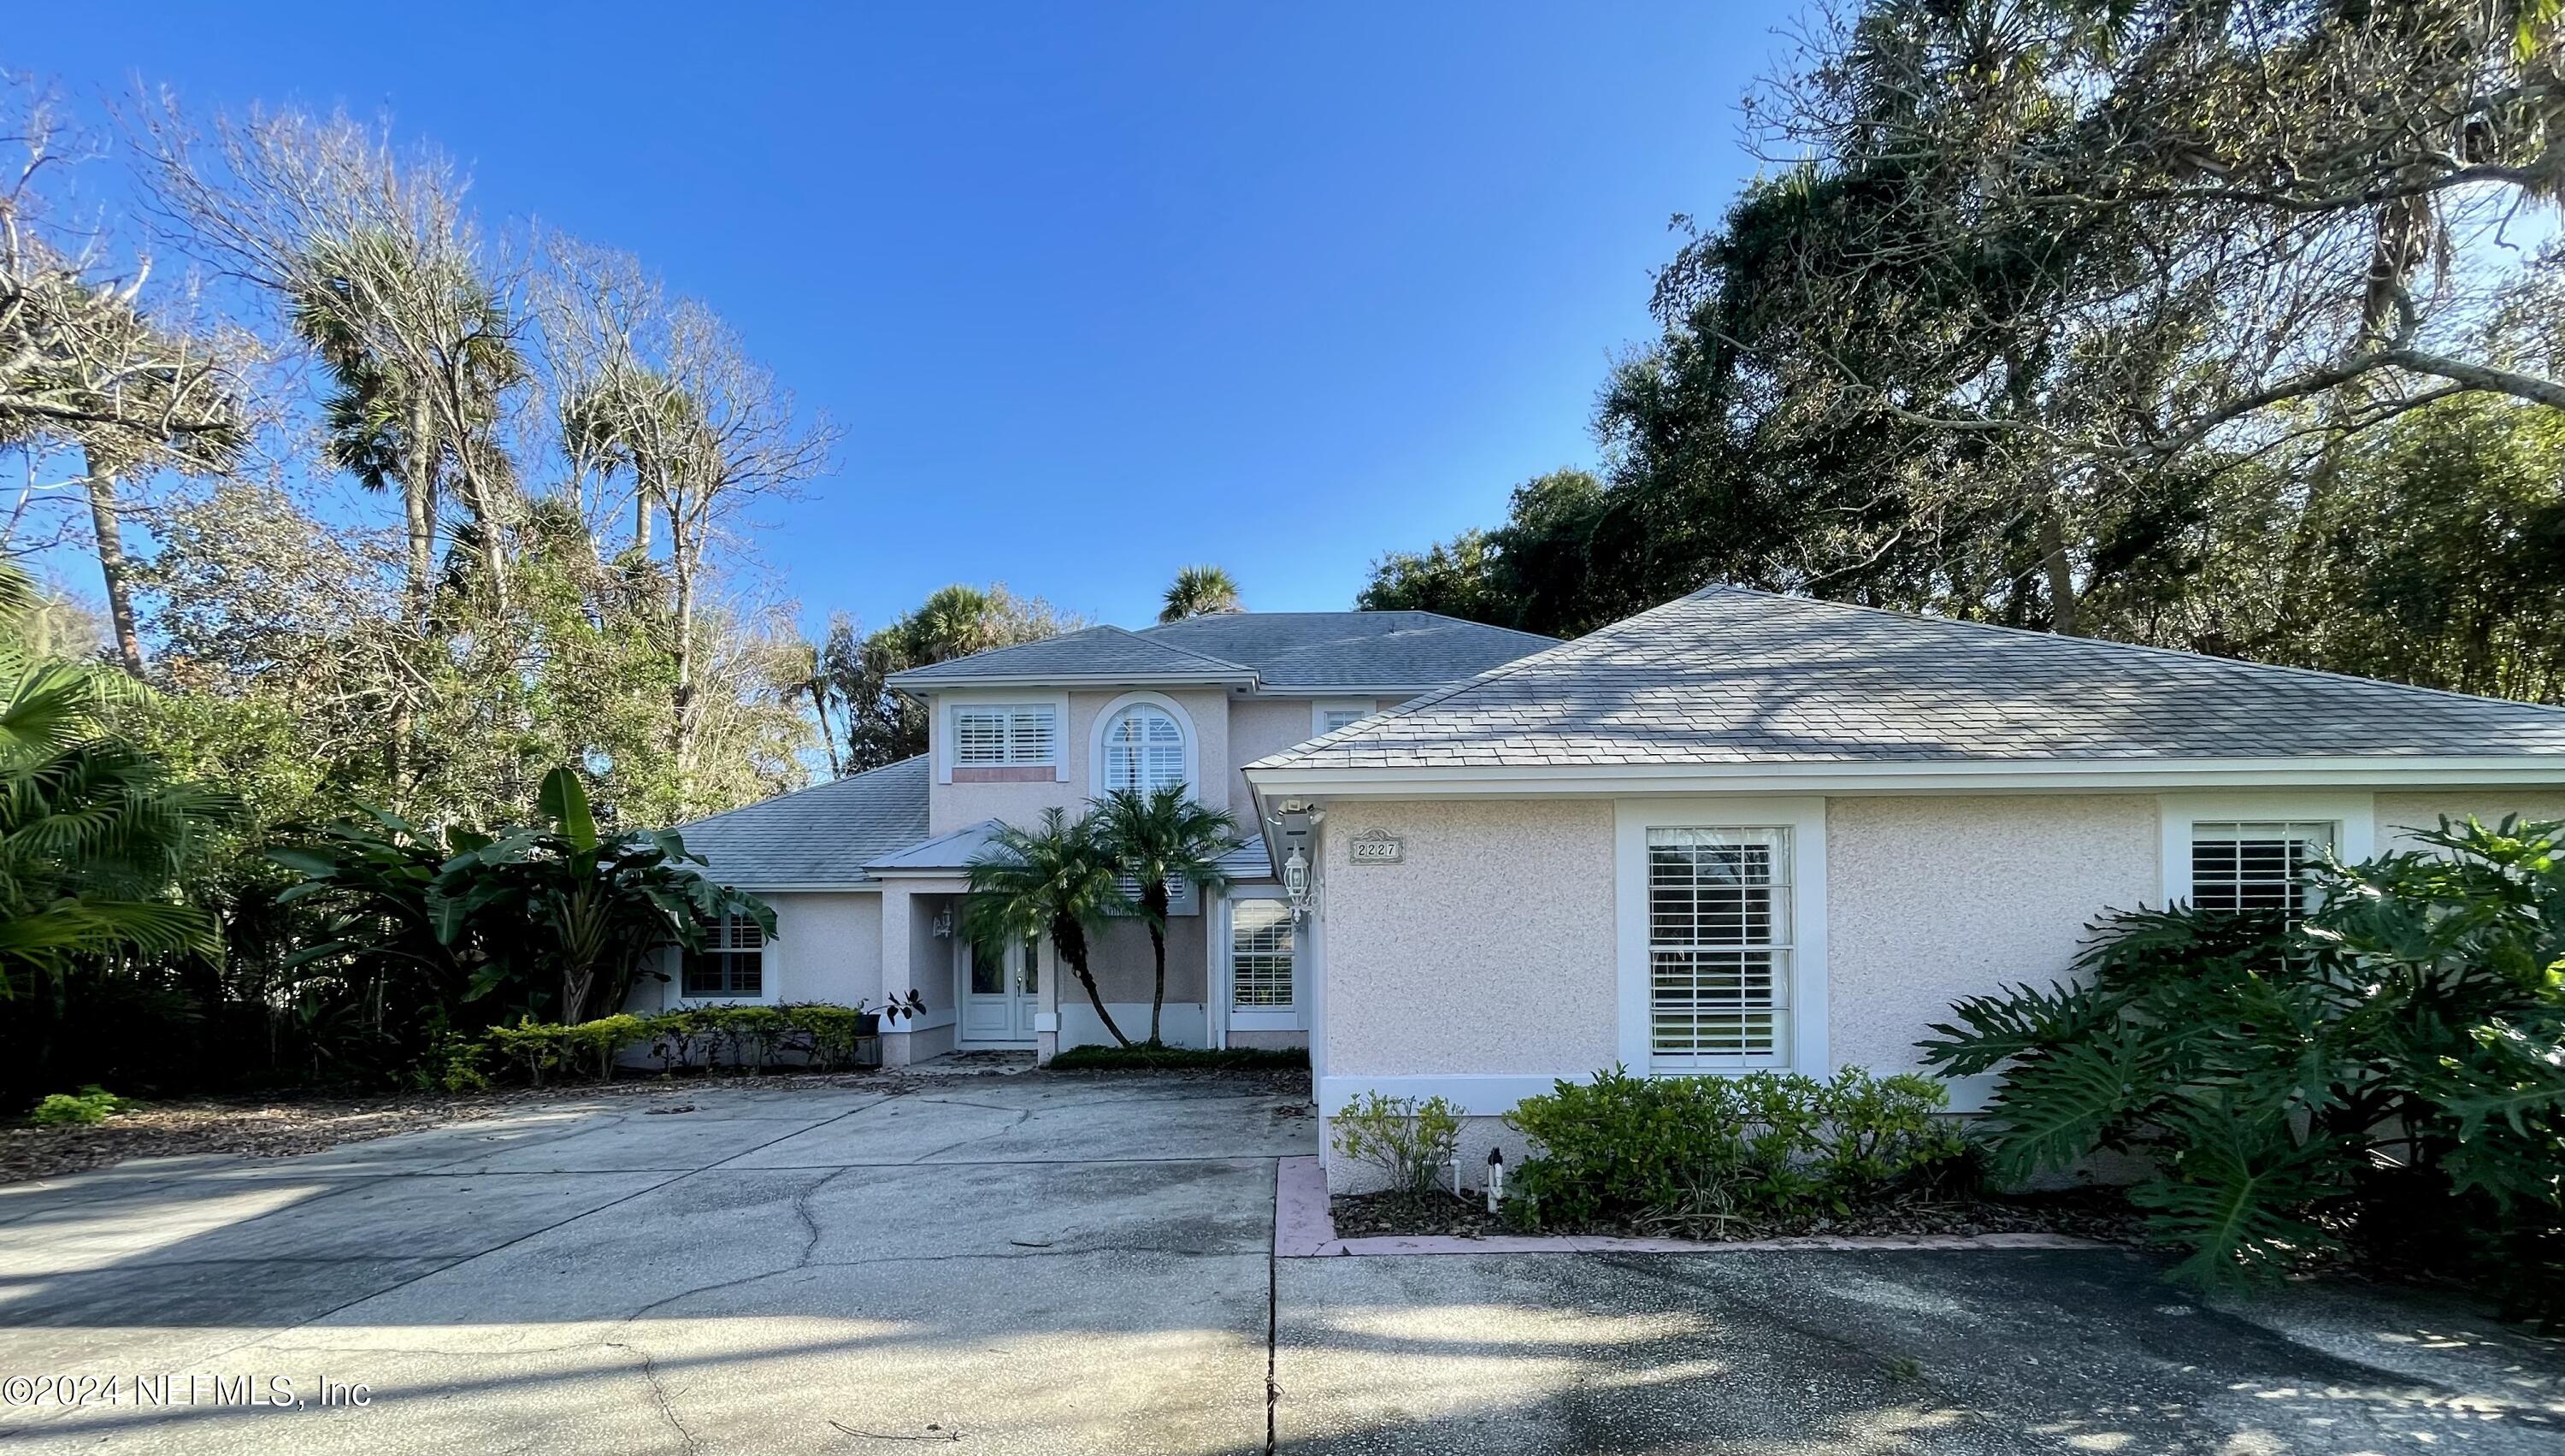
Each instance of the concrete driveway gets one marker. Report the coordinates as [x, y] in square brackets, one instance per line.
[1066, 1265]
[1031, 1263]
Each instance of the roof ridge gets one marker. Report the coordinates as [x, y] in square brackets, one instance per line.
[2070, 643]
[1353, 611]
[1443, 694]
[1175, 647]
[839, 780]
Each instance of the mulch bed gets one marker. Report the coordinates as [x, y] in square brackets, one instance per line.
[2085, 1213]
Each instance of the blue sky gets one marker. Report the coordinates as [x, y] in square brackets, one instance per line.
[1094, 290]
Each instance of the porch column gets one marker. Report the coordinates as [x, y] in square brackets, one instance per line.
[897, 978]
[1046, 1022]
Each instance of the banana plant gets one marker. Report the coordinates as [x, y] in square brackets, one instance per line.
[554, 911]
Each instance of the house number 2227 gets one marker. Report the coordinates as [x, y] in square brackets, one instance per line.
[1373, 847]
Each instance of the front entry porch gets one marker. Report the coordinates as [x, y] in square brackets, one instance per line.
[1237, 974]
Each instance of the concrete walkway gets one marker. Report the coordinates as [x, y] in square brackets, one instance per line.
[1085, 1265]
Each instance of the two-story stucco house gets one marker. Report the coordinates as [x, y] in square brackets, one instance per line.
[1736, 831]
[867, 874]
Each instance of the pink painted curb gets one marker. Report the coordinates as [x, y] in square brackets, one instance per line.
[1305, 1228]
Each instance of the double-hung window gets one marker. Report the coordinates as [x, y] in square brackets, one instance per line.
[1004, 736]
[1719, 947]
[1262, 945]
[2242, 864]
[732, 964]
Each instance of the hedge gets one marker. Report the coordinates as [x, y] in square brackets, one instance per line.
[816, 1032]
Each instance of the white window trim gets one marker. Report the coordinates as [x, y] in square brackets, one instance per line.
[1319, 711]
[2353, 813]
[1263, 1018]
[1173, 709]
[1805, 819]
[941, 735]
[767, 992]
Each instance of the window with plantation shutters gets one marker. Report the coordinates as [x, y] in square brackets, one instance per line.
[1262, 945]
[999, 736]
[1144, 749]
[1718, 947]
[732, 964]
[1181, 896]
[2250, 866]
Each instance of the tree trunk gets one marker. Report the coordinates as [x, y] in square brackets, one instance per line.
[1153, 900]
[110, 560]
[827, 740]
[1070, 942]
[2061, 572]
[640, 519]
[683, 743]
[418, 500]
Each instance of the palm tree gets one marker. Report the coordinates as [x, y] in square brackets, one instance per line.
[1157, 839]
[421, 352]
[1200, 591]
[1055, 881]
[94, 830]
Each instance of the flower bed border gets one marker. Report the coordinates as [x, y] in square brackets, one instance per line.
[1305, 1227]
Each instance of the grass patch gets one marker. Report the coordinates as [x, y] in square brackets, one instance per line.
[1148, 1057]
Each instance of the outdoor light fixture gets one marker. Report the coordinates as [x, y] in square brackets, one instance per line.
[1496, 1176]
[944, 923]
[1295, 881]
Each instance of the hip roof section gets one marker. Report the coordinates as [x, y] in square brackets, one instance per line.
[1732, 677]
[819, 838]
[1284, 651]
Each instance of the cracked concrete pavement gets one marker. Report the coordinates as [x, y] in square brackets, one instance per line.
[1028, 1263]
[1062, 1264]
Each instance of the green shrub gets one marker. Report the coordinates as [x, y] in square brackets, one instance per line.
[1695, 1150]
[1143, 1056]
[91, 1105]
[2395, 1065]
[1408, 1141]
[535, 1046]
[741, 1036]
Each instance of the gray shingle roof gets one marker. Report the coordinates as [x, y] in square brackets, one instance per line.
[1097, 652]
[1305, 650]
[818, 837]
[1728, 675]
[1353, 649]
[953, 851]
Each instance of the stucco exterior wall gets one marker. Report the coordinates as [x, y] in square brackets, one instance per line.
[1929, 900]
[2400, 811]
[1489, 950]
[950, 807]
[1260, 728]
[827, 947]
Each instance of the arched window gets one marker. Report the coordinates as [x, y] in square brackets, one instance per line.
[1144, 749]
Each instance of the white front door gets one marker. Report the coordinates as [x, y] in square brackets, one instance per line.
[1001, 995]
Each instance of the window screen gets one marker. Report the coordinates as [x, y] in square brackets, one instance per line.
[732, 964]
[1719, 945]
[1143, 750]
[1262, 942]
[2255, 865]
[1004, 736]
